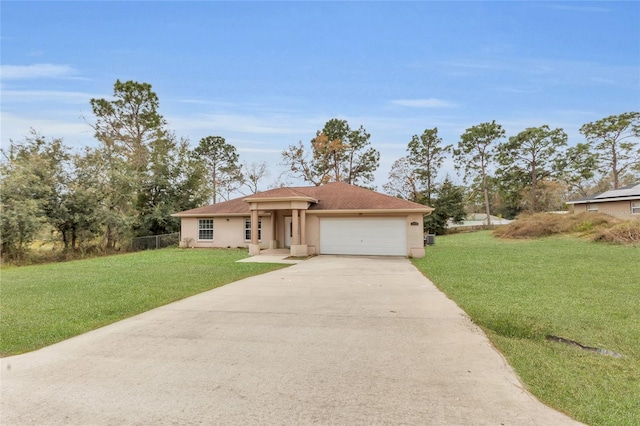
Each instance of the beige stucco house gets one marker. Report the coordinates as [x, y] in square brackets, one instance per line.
[336, 218]
[622, 202]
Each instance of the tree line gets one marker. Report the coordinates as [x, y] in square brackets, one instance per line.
[532, 171]
[140, 172]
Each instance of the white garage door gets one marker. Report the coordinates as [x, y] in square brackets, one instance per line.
[365, 236]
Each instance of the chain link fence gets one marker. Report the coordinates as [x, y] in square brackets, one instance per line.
[155, 242]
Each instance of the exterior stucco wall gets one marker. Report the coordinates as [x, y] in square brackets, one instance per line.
[415, 236]
[227, 232]
[620, 209]
[280, 228]
[313, 234]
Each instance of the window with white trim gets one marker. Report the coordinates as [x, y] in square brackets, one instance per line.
[635, 207]
[205, 229]
[592, 207]
[247, 229]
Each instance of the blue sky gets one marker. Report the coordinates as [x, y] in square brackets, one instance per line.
[266, 75]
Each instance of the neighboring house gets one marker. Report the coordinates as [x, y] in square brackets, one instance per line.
[478, 219]
[336, 218]
[622, 202]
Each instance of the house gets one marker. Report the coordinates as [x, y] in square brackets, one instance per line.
[622, 202]
[336, 218]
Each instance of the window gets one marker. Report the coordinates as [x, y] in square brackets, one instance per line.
[247, 229]
[592, 207]
[635, 207]
[205, 229]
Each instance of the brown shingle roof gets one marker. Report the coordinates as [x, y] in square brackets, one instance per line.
[332, 196]
[235, 206]
[284, 192]
[342, 196]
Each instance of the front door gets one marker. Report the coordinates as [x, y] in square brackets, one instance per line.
[288, 231]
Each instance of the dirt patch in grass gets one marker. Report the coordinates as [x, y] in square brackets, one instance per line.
[596, 226]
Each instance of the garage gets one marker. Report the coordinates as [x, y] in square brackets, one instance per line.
[364, 236]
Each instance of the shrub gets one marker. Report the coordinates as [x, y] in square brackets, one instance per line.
[546, 224]
[622, 233]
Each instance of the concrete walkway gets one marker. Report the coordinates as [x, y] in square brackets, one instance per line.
[272, 256]
[332, 340]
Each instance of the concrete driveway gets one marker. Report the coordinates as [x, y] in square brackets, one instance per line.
[332, 340]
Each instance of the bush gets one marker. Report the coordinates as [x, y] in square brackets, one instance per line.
[622, 233]
[546, 224]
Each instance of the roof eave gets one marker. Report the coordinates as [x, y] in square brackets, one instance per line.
[424, 210]
[604, 200]
[246, 214]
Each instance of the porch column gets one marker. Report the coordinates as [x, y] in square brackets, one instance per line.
[254, 247]
[274, 240]
[254, 227]
[303, 227]
[297, 248]
[295, 238]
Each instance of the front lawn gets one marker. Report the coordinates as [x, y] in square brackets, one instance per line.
[44, 304]
[521, 291]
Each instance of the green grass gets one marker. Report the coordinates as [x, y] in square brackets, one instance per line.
[521, 291]
[44, 304]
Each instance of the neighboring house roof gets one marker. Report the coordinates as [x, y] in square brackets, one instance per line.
[335, 196]
[629, 192]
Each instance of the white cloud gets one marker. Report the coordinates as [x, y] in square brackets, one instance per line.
[25, 72]
[579, 8]
[75, 133]
[262, 124]
[261, 150]
[39, 96]
[424, 103]
[519, 91]
[540, 72]
[602, 80]
[477, 64]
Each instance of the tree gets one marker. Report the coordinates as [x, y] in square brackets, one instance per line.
[531, 153]
[576, 168]
[221, 160]
[68, 202]
[301, 165]
[448, 205]
[126, 127]
[190, 178]
[404, 181]
[509, 186]
[44, 183]
[171, 184]
[130, 122]
[426, 154]
[550, 196]
[20, 199]
[474, 155]
[145, 171]
[83, 202]
[362, 161]
[615, 139]
[339, 154]
[253, 173]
